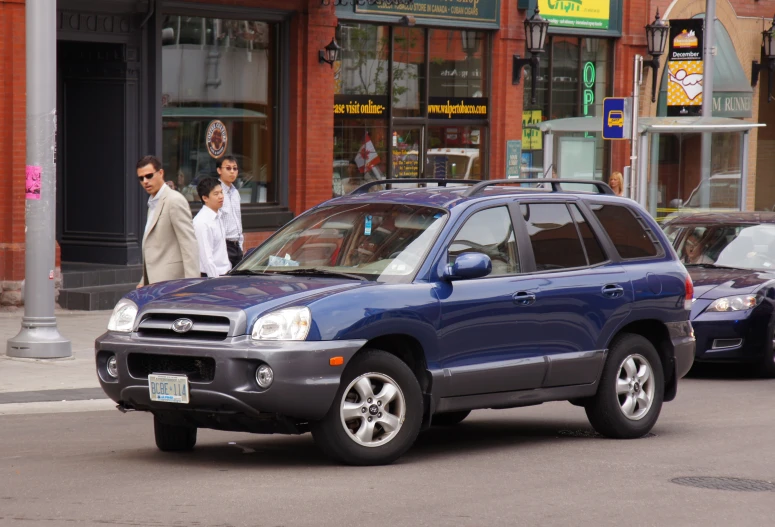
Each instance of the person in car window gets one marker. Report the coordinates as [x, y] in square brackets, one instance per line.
[693, 251]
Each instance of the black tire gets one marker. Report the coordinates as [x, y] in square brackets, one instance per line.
[173, 438]
[449, 418]
[605, 410]
[766, 368]
[338, 443]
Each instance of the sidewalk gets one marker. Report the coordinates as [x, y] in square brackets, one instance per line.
[40, 381]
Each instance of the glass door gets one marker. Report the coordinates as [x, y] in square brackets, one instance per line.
[408, 152]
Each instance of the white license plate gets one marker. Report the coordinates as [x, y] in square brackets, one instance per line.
[168, 388]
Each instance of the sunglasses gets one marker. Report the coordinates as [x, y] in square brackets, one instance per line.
[230, 169]
[146, 177]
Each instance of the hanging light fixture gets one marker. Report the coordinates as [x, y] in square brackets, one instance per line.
[535, 40]
[470, 42]
[656, 39]
[768, 50]
[330, 53]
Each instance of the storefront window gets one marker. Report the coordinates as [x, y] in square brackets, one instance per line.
[572, 82]
[457, 65]
[409, 72]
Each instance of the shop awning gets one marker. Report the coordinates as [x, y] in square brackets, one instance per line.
[209, 113]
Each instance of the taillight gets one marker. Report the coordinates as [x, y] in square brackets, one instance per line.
[689, 293]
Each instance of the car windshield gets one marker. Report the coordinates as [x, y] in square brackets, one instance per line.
[738, 246]
[376, 241]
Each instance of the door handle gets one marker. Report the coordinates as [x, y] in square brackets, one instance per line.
[613, 290]
[524, 298]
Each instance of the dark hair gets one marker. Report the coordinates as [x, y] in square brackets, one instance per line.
[226, 158]
[149, 160]
[206, 186]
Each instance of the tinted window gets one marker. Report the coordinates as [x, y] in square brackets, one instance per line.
[555, 240]
[595, 253]
[489, 232]
[627, 233]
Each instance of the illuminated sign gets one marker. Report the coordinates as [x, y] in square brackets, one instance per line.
[589, 86]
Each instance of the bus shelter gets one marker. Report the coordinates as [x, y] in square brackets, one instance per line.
[669, 175]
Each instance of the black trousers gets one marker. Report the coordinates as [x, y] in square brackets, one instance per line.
[234, 252]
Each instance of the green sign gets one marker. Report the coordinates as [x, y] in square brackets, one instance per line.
[584, 14]
[476, 11]
[513, 159]
[732, 104]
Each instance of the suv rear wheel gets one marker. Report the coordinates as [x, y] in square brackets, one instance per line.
[377, 411]
[629, 399]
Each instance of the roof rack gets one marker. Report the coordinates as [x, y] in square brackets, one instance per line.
[556, 184]
[441, 182]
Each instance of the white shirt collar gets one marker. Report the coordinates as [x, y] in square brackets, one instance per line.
[227, 187]
[208, 213]
[158, 195]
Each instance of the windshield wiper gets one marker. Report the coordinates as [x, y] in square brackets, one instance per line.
[248, 272]
[316, 271]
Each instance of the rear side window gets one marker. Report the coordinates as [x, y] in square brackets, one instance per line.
[553, 235]
[595, 252]
[628, 234]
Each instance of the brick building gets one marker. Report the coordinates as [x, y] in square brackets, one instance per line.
[420, 90]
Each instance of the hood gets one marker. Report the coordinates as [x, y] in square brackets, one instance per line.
[249, 293]
[717, 283]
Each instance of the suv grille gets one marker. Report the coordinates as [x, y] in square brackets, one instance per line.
[205, 327]
[197, 369]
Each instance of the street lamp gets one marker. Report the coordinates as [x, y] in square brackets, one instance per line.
[330, 53]
[535, 39]
[470, 42]
[768, 49]
[656, 38]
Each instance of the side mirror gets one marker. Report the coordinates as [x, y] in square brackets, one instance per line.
[468, 266]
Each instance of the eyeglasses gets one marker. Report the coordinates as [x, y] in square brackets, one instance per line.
[230, 169]
[146, 177]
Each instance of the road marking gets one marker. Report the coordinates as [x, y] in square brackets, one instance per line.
[53, 407]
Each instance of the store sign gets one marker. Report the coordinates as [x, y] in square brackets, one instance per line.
[513, 159]
[457, 107]
[589, 87]
[685, 67]
[532, 139]
[476, 11]
[360, 106]
[216, 139]
[733, 104]
[585, 14]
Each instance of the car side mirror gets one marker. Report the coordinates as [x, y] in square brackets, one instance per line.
[468, 266]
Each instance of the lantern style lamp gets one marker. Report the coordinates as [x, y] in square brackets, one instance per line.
[470, 42]
[330, 53]
[768, 50]
[656, 38]
[535, 40]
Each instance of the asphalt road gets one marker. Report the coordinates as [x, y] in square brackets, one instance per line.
[541, 465]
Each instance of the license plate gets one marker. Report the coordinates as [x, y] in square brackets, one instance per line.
[168, 388]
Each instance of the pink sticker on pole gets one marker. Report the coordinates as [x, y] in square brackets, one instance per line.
[33, 182]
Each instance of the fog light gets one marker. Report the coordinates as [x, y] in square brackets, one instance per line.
[264, 376]
[113, 367]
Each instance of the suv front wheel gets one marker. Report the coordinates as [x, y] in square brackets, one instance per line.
[377, 411]
[629, 399]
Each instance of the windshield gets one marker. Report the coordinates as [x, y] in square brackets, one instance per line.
[724, 193]
[376, 241]
[739, 246]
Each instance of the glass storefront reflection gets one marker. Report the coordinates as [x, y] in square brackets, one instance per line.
[218, 79]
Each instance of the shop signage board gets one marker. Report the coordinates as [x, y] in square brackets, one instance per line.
[513, 159]
[532, 139]
[616, 118]
[360, 106]
[685, 67]
[470, 11]
[582, 14]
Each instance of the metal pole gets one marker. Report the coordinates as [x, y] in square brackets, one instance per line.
[707, 100]
[745, 142]
[637, 79]
[39, 336]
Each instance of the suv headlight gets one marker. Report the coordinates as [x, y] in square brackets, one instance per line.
[734, 303]
[123, 317]
[286, 324]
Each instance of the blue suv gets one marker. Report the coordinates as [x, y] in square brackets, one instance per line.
[380, 313]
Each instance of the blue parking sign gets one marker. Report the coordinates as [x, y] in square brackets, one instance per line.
[616, 118]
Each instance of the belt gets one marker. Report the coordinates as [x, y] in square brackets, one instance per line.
[232, 241]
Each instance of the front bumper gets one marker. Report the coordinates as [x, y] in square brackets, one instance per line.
[739, 337]
[303, 389]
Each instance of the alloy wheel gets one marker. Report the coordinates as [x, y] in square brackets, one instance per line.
[635, 387]
[372, 409]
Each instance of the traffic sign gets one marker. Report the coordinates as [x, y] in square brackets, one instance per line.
[616, 118]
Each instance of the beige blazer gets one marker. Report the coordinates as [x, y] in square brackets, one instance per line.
[170, 250]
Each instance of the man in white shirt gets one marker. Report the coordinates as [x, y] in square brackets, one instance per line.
[231, 216]
[213, 258]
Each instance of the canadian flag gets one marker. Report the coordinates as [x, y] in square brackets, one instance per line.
[367, 157]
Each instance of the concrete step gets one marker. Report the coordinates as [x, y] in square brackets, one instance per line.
[77, 275]
[94, 298]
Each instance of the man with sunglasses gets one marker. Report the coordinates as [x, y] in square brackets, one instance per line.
[231, 215]
[169, 248]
